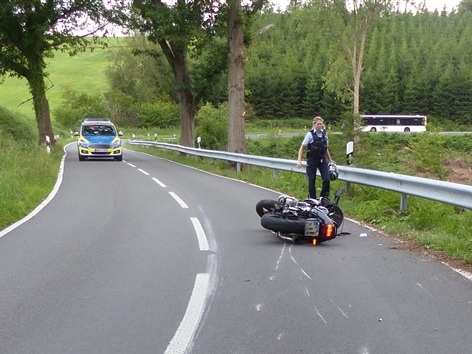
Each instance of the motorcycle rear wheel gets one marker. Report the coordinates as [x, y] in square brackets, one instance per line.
[278, 223]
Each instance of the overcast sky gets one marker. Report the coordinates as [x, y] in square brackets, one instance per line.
[431, 4]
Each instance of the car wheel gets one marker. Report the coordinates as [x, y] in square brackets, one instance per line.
[119, 158]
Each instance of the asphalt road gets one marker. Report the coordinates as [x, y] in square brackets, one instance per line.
[148, 256]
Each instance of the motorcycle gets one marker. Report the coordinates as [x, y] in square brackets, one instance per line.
[293, 220]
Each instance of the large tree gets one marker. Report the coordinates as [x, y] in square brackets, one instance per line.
[177, 28]
[30, 32]
[236, 54]
[350, 22]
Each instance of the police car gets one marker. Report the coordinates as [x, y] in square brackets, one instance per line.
[98, 138]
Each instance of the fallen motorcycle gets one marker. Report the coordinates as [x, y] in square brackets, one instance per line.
[293, 220]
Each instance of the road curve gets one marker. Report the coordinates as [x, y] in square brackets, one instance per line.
[148, 256]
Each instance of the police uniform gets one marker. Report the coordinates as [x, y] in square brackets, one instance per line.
[316, 143]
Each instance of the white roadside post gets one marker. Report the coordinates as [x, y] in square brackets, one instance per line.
[48, 144]
[349, 158]
[349, 152]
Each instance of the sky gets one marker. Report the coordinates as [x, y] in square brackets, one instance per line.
[431, 4]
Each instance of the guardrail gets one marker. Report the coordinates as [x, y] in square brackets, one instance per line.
[445, 192]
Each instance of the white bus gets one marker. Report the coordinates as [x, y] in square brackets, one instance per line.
[393, 123]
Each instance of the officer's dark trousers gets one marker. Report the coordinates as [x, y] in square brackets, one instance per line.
[311, 167]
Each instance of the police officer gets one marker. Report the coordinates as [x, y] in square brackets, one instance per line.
[316, 143]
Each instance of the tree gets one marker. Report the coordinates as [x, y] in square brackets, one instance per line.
[177, 29]
[30, 31]
[350, 26]
[236, 56]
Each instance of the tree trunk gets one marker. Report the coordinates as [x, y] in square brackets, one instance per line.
[40, 104]
[176, 57]
[187, 118]
[236, 103]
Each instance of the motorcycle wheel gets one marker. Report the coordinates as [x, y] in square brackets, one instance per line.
[265, 206]
[279, 224]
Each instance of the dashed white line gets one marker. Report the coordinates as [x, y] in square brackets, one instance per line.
[202, 239]
[159, 182]
[178, 200]
[146, 173]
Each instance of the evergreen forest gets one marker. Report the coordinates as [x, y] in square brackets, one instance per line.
[414, 64]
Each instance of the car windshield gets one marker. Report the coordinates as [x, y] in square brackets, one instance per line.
[90, 130]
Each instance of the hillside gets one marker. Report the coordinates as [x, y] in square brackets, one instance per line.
[83, 72]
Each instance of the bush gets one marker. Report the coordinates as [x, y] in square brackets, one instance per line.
[211, 126]
[77, 105]
[160, 114]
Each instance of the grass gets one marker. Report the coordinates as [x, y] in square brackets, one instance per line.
[30, 174]
[83, 72]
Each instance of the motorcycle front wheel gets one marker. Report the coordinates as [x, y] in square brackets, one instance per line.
[278, 223]
[265, 206]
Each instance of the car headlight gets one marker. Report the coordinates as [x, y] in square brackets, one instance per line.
[116, 144]
[83, 144]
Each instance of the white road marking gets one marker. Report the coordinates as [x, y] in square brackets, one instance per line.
[130, 164]
[178, 200]
[159, 182]
[464, 273]
[202, 239]
[187, 328]
[146, 173]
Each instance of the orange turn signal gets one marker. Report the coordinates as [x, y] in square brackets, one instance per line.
[329, 230]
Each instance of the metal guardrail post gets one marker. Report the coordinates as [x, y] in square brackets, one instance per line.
[404, 203]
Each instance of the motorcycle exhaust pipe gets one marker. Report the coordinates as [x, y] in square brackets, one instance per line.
[292, 239]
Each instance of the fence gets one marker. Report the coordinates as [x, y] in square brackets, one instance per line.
[445, 192]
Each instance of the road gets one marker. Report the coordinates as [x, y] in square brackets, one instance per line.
[149, 256]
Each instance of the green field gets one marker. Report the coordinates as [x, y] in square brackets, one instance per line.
[83, 72]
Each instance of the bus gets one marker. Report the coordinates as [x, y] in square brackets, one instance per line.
[394, 123]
